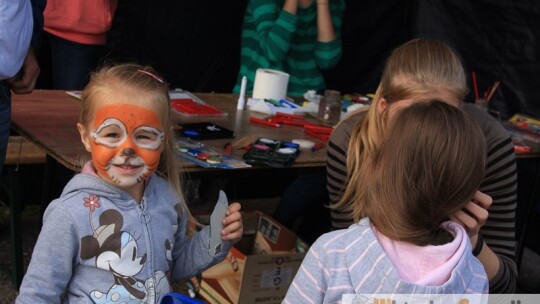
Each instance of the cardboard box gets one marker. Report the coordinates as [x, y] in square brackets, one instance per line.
[260, 268]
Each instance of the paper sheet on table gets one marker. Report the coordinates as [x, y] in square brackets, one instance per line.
[259, 105]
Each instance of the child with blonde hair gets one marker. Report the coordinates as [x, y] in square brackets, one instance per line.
[118, 233]
[423, 69]
[428, 166]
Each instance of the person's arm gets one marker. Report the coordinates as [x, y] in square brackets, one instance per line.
[325, 28]
[329, 20]
[498, 233]
[336, 169]
[290, 6]
[191, 255]
[54, 255]
[473, 216]
[25, 81]
[16, 24]
[275, 27]
[500, 183]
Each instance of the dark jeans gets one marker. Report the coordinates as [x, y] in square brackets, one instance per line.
[5, 120]
[306, 197]
[73, 62]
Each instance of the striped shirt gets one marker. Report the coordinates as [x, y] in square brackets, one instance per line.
[275, 39]
[352, 261]
[500, 182]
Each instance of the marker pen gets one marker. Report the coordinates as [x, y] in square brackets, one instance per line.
[317, 146]
[242, 97]
[288, 104]
[263, 122]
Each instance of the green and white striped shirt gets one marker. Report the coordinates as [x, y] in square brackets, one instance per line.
[275, 39]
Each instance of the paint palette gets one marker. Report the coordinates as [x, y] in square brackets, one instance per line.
[203, 130]
[207, 156]
[272, 153]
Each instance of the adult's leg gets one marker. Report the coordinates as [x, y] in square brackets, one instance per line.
[5, 120]
[73, 62]
[305, 192]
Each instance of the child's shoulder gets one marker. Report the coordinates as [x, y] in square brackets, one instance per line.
[79, 199]
[345, 237]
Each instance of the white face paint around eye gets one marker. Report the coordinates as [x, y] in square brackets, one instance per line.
[111, 133]
[148, 137]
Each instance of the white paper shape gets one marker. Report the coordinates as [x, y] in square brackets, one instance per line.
[216, 223]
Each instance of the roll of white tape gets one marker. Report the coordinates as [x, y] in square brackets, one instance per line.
[270, 84]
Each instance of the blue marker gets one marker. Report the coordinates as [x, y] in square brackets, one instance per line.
[284, 104]
[288, 104]
[190, 133]
[290, 144]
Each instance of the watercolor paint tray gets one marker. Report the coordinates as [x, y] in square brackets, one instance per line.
[272, 153]
[207, 156]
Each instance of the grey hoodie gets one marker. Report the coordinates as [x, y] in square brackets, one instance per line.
[97, 245]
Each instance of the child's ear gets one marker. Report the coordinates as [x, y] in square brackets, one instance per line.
[382, 104]
[85, 137]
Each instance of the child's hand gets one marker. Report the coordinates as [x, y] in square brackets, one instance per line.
[232, 224]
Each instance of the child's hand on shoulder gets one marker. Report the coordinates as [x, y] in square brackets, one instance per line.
[232, 224]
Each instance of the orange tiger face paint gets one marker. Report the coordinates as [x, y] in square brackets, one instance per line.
[126, 143]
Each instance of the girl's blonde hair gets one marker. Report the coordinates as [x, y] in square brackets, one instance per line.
[413, 70]
[142, 85]
[429, 165]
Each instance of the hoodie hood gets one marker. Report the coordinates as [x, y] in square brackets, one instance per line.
[461, 263]
[426, 265]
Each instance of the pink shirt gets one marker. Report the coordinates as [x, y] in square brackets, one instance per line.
[88, 168]
[426, 265]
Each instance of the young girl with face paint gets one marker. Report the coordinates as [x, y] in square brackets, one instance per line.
[119, 230]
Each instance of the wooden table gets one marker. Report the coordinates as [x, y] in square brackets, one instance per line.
[48, 119]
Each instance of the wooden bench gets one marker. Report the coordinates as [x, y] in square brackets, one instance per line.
[19, 152]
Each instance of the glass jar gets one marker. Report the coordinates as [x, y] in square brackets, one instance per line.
[330, 107]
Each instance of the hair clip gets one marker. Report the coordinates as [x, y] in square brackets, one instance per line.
[151, 75]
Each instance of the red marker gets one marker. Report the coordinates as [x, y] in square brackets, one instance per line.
[317, 146]
[321, 136]
[318, 128]
[299, 123]
[263, 122]
[522, 149]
